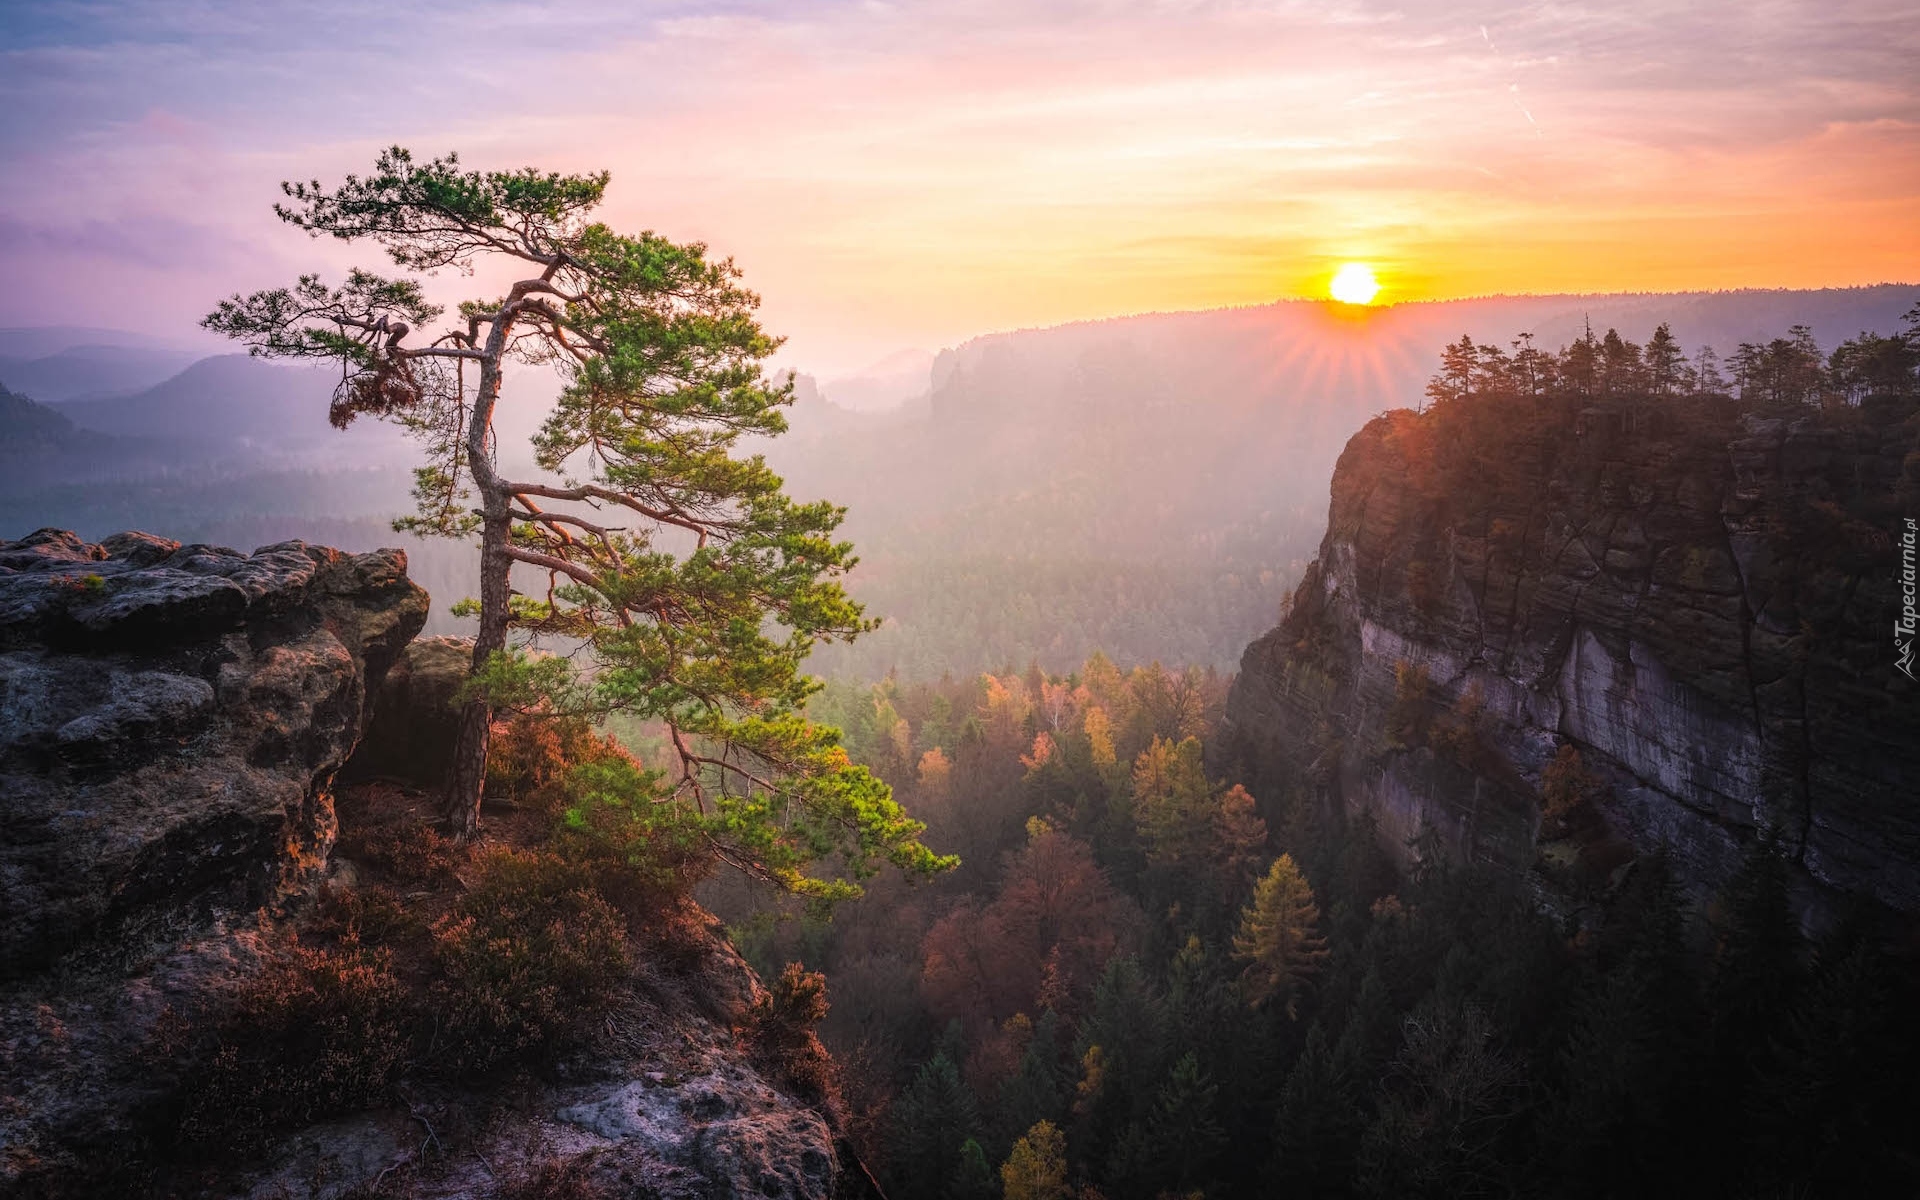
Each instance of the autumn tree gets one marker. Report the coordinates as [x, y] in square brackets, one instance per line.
[1052, 926]
[1278, 938]
[1037, 1168]
[698, 583]
[1171, 804]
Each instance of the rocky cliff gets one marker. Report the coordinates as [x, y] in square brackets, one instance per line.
[1699, 601]
[174, 724]
[171, 718]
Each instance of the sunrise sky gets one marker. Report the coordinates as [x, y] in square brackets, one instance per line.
[895, 175]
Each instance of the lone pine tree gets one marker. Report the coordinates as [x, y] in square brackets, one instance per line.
[698, 583]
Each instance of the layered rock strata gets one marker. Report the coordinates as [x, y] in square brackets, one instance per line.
[1700, 601]
[171, 719]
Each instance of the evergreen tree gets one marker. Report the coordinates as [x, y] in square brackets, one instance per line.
[1832, 1110]
[1278, 940]
[1183, 1135]
[974, 1179]
[1038, 1090]
[1123, 1044]
[703, 599]
[1663, 360]
[933, 1120]
[1317, 1128]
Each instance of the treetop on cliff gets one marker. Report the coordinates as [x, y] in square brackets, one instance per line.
[698, 583]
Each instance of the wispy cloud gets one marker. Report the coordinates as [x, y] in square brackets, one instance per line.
[908, 173]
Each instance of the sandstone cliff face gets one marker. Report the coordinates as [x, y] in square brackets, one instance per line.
[1700, 601]
[173, 724]
[171, 718]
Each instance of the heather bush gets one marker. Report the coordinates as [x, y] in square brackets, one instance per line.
[782, 1029]
[529, 950]
[404, 846]
[319, 1032]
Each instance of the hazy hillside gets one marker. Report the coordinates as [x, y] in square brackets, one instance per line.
[1151, 486]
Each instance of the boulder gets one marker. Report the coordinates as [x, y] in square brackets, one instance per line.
[171, 720]
[413, 724]
[173, 723]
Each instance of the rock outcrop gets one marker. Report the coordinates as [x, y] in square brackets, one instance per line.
[1700, 601]
[413, 724]
[174, 723]
[171, 719]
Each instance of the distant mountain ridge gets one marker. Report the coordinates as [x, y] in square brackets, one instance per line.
[1187, 450]
[91, 371]
[25, 424]
[1149, 485]
[225, 397]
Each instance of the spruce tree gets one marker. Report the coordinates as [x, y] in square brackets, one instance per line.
[1317, 1127]
[933, 1120]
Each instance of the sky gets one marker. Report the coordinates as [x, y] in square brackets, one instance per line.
[895, 175]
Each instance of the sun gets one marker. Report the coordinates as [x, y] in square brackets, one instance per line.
[1354, 283]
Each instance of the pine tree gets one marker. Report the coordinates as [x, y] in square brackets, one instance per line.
[1278, 940]
[1317, 1128]
[933, 1120]
[1664, 360]
[1183, 1135]
[1038, 1089]
[704, 591]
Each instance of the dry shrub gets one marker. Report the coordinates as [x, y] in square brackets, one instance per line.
[372, 916]
[782, 1032]
[530, 755]
[678, 935]
[551, 1179]
[1462, 735]
[317, 1033]
[1567, 786]
[530, 952]
[1407, 716]
[405, 847]
[644, 856]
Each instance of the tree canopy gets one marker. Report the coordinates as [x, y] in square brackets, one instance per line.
[698, 584]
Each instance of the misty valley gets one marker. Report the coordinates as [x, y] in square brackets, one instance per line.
[536, 743]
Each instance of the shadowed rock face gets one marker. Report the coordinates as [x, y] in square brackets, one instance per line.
[1700, 601]
[171, 718]
[413, 724]
[172, 722]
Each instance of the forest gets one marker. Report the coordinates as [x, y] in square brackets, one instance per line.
[1114, 962]
[1144, 981]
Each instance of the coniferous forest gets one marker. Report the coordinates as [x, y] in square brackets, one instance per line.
[1144, 981]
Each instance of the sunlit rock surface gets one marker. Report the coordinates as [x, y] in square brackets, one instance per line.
[171, 718]
[1700, 601]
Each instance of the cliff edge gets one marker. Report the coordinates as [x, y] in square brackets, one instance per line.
[232, 966]
[1553, 634]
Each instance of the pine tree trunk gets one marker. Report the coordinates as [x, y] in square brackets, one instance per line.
[467, 784]
[467, 780]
